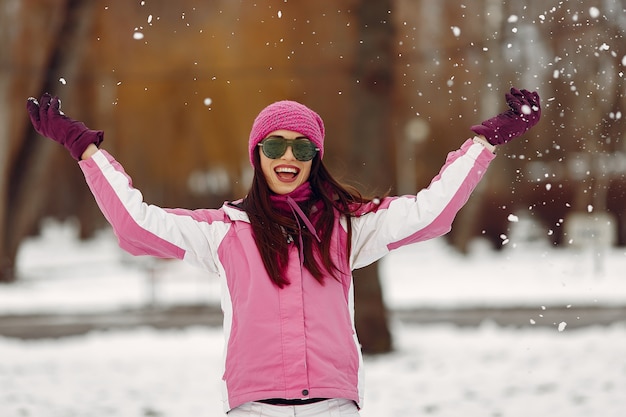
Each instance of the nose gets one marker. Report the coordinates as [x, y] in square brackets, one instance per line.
[288, 153]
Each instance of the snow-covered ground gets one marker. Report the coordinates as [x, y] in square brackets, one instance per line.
[435, 370]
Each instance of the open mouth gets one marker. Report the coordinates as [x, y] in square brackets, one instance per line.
[285, 173]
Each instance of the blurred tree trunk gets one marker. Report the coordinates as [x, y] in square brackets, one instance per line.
[6, 132]
[491, 103]
[371, 160]
[30, 172]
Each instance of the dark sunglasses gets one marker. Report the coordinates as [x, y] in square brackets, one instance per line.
[275, 146]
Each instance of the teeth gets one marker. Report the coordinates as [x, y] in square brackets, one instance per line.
[287, 169]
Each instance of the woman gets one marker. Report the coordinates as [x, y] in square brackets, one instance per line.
[285, 252]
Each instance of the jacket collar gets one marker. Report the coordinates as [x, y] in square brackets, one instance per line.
[234, 211]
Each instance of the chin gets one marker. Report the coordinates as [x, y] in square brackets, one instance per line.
[282, 188]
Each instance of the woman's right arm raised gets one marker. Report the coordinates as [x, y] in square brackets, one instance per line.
[141, 229]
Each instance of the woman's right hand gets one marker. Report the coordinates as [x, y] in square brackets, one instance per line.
[49, 121]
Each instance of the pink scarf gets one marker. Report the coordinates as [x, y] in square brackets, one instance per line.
[288, 204]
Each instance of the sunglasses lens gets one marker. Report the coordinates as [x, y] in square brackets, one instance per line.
[303, 149]
[275, 147]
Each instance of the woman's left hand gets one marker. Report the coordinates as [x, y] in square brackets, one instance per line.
[524, 113]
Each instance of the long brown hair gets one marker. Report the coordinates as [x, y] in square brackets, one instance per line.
[272, 230]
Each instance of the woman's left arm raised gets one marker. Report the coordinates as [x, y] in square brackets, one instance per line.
[399, 221]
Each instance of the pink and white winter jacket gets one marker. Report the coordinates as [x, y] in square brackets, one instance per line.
[298, 341]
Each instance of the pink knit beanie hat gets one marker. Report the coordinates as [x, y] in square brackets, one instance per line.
[287, 115]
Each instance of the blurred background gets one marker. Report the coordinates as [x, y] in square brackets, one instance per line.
[176, 85]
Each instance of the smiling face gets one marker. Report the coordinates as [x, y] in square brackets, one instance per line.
[286, 173]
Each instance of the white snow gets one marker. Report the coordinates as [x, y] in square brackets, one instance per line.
[594, 12]
[435, 370]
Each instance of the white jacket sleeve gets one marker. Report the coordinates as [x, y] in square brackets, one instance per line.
[399, 221]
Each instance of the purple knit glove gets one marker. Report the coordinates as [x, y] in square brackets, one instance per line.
[49, 121]
[524, 113]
